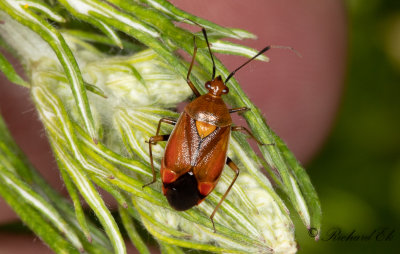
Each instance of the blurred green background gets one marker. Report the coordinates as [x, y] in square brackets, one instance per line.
[357, 173]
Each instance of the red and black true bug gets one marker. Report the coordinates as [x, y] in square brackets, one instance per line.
[196, 151]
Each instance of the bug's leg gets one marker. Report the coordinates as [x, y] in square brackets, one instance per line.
[235, 168]
[165, 120]
[244, 129]
[194, 89]
[234, 110]
[153, 141]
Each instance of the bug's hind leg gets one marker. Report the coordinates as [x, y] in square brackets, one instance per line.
[235, 168]
[153, 141]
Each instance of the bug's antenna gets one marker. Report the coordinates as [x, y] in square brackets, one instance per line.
[259, 53]
[209, 50]
[208, 44]
[248, 61]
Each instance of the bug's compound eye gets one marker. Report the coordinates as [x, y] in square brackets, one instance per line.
[225, 90]
[208, 85]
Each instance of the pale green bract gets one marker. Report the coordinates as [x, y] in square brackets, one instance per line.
[127, 95]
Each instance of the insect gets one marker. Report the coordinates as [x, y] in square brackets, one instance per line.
[196, 151]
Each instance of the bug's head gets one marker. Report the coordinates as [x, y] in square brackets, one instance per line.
[217, 87]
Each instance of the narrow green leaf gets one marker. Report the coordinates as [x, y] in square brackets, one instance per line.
[73, 193]
[10, 158]
[107, 31]
[243, 33]
[307, 189]
[95, 90]
[93, 37]
[43, 8]
[10, 73]
[138, 76]
[134, 236]
[226, 47]
[60, 77]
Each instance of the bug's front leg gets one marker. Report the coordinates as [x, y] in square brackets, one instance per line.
[189, 82]
[234, 110]
[194, 89]
[244, 129]
[235, 168]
